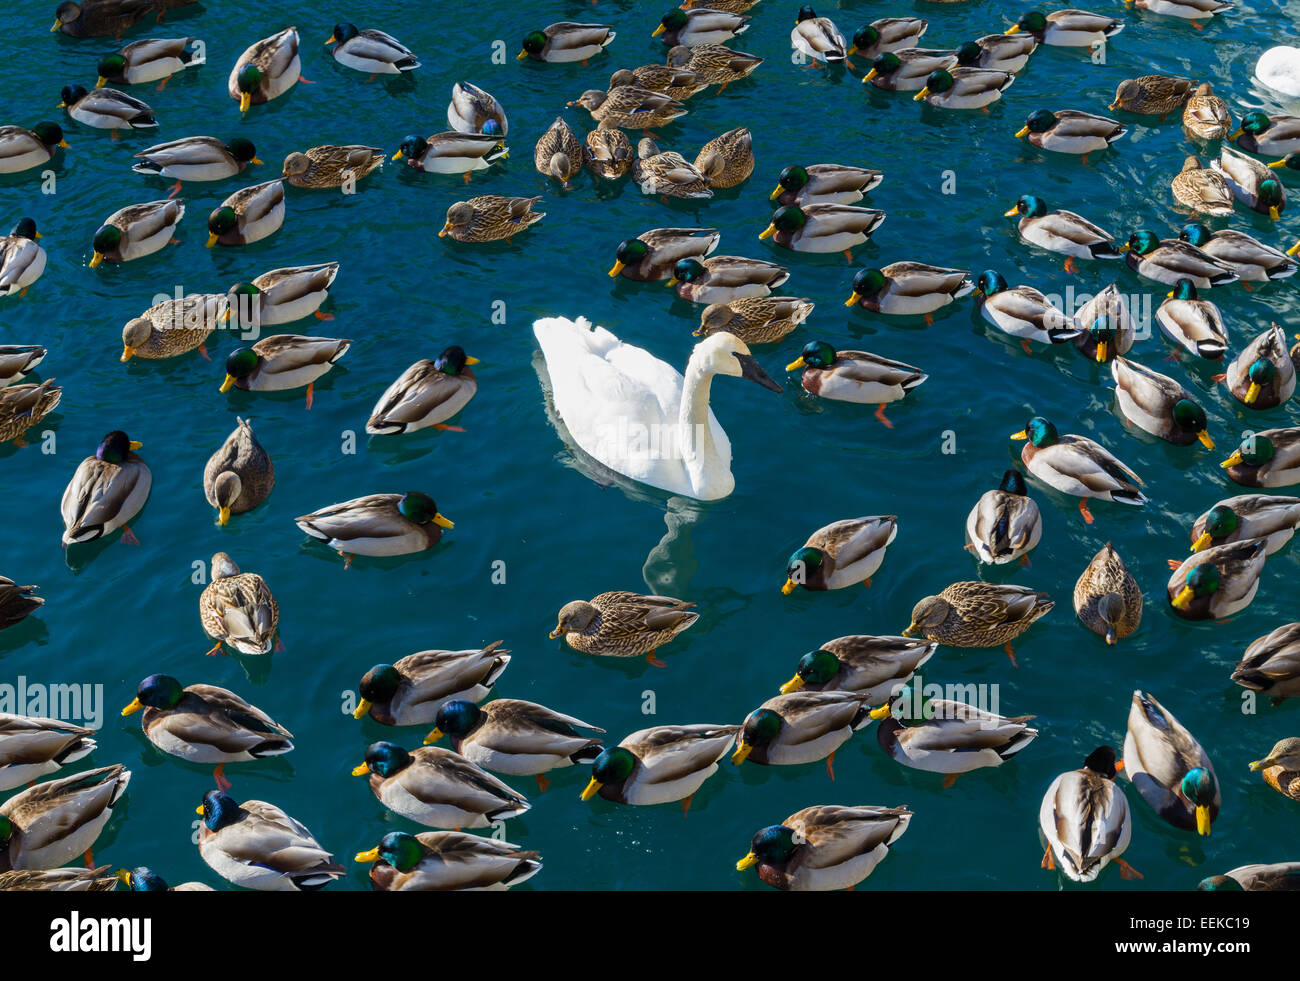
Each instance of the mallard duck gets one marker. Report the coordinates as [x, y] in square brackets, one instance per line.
[814, 37]
[473, 110]
[371, 51]
[1168, 767]
[717, 64]
[607, 152]
[734, 6]
[59, 880]
[1250, 259]
[23, 406]
[755, 319]
[843, 553]
[144, 879]
[1107, 328]
[451, 153]
[1005, 523]
[1273, 136]
[426, 394]
[237, 608]
[1070, 131]
[106, 109]
[22, 260]
[652, 256]
[54, 822]
[103, 18]
[106, 492]
[566, 41]
[21, 149]
[676, 83]
[725, 278]
[1219, 581]
[438, 788]
[978, 614]
[197, 158]
[331, 165]
[1262, 375]
[701, 26]
[1206, 116]
[623, 624]
[1251, 183]
[1193, 323]
[266, 70]
[508, 735]
[19, 360]
[870, 666]
[1085, 820]
[1022, 312]
[824, 184]
[258, 846]
[1061, 231]
[855, 376]
[822, 227]
[942, 736]
[964, 88]
[1158, 405]
[283, 361]
[1169, 260]
[378, 524]
[1067, 28]
[558, 154]
[410, 691]
[1107, 597]
[801, 727]
[825, 847]
[282, 296]
[1278, 877]
[1269, 458]
[908, 288]
[206, 724]
[1271, 664]
[1281, 767]
[1192, 10]
[886, 34]
[174, 327]
[16, 604]
[1076, 465]
[660, 764]
[136, 231]
[239, 475]
[34, 746]
[907, 70]
[668, 173]
[444, 861]
[727, 160]
[249, 215]
[998, 52]
[1152, 95]
[147, 61]
[1275, 519]
[490, 218]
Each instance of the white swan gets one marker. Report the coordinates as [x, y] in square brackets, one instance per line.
[1279, 69]
[636, 414]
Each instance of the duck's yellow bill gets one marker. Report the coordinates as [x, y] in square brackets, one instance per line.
[777, 193]
[212, 239]
[1021, 132]
[591, 789]
[1203, 542]
[1202, 820]
[100, 82]
[433, 737]
[470, 360]
[96, 259]
[1294, 249]
[1273, 212]
[56, 25]
[257, 161]
[798, 362]
[245, 100]
[362, 708]
[370, 856]
[556, 632]
[794, 684]
[1011, 212]
[1184, 598]
[672, 281]
[135, 444]
[921, 95]
[658, 30]
[446, 229]
[1114, 105]
[853, 49]
[223, 516]
[225, 385]
[911, 630]
[615, 269]
[127, 352]
[398, 155]
[748, 862]
[361, 770]
[332, 39]
[1233, 460]
[61, 105]
[123, 876]
[853, 300]
[65, 144]
[788, 587]
[521, 56]
[1013, 29]
[135, 706]
[767, 232]
[442, 522]
[1101, 352]
[1125, 247]
[742, 753]
[881, 712]
[1206, 439]
[1020, 435]
[869, 76]
[199, 809]
[1278, 164]
[1260, 764]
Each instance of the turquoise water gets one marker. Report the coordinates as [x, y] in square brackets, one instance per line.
[115, 613]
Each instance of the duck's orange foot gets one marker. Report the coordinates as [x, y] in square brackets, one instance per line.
[1196, 26]
[450, 429]
[880, 416]
[929, 320]
[1174, 563]
[848, 256]
[1070, 267]
[311, 390]
[1049, 861]
[220, 777]
[163, 84]
[174, 190]
[686, 804]
[950, 779]
[89, 858]
[1247, 287]
[1083, 510]
[1176, 357]
[214, 651]
[543, 785]
[1011, 653]
[114, 135]
[1024, 344]
[323, 316]
[1024, 560]
[279, 645]
[347, 561]
[203, 350]
[867, 582]
[128, 536]
[830, 765]
[468, 177]
[305, 81]
[1218, 379]
[654, 661]
[1127, 871]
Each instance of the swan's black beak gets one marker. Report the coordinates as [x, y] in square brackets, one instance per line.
[749, 368]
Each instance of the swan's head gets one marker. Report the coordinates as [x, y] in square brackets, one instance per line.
[727, 354]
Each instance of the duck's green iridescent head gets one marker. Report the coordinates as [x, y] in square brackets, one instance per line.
[815, 354]
[1220, 522]
[243, 150]
[398, 849]
[804, 562]
[1219, 883]
[111, 68]
[457, 717]
[687, 271]
[791, 179]
[805, 13]
[674, 20]
[116, 447]
[160, 691]
[1184, 289]
[1199, 788]
[814, 668]
[1102, 761]
[1262, 372]
[1141, 243]
[107, 240]
[1013, 483]
[218, 810]
[1190, 418]
[249, 79]
[1291, 162]
[1032, 21]
[242, 363]
[864, 38]
[612, 767]
[1254, 122]
[142, 879]
[453, 360]
[1197, 234]
[1269, 193]
[1039, 121]
[630, 251]
[1254, 451]
[379, 684]
[1201, 581]
[222, 220]
[72, 94]
[26, 228]
[990, 282]
[867, 282]
[343, 32]
[50, 134]
[937, 81]
[774, 845]
[421, 509]
[760, 728]
[1030, 206]
[385, 759]
[534, 42]
[6, 832]
[789, 218]
[411, 146]
[1039, 432]
[885, 63]
[969, 53]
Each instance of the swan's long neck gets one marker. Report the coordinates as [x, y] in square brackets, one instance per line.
[696, 443]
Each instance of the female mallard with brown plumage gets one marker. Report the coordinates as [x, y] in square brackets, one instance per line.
[1005, 523]
[667, 172]
[426, 394]
[330, 165]
[1281, 767]
[1201, 189]
[825, 847]
[855, 376]
[239, 475]
[237, 608]
[378, 524]
[843, 553]
[1274, 519]
[630, 107]
[59, 880]
[174, 327]
[1107, 597]
[607, 151]
[558, 154]
[107, 491]
[23, 406]
[717, 64]
[490, 218]
[1206, 116]
[978, 614]
[410, 691]
[623, 624]
[678, 84]
[755, 319]
[727, 160]
[1152, 95]
[1216, 583]
[874, 666]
